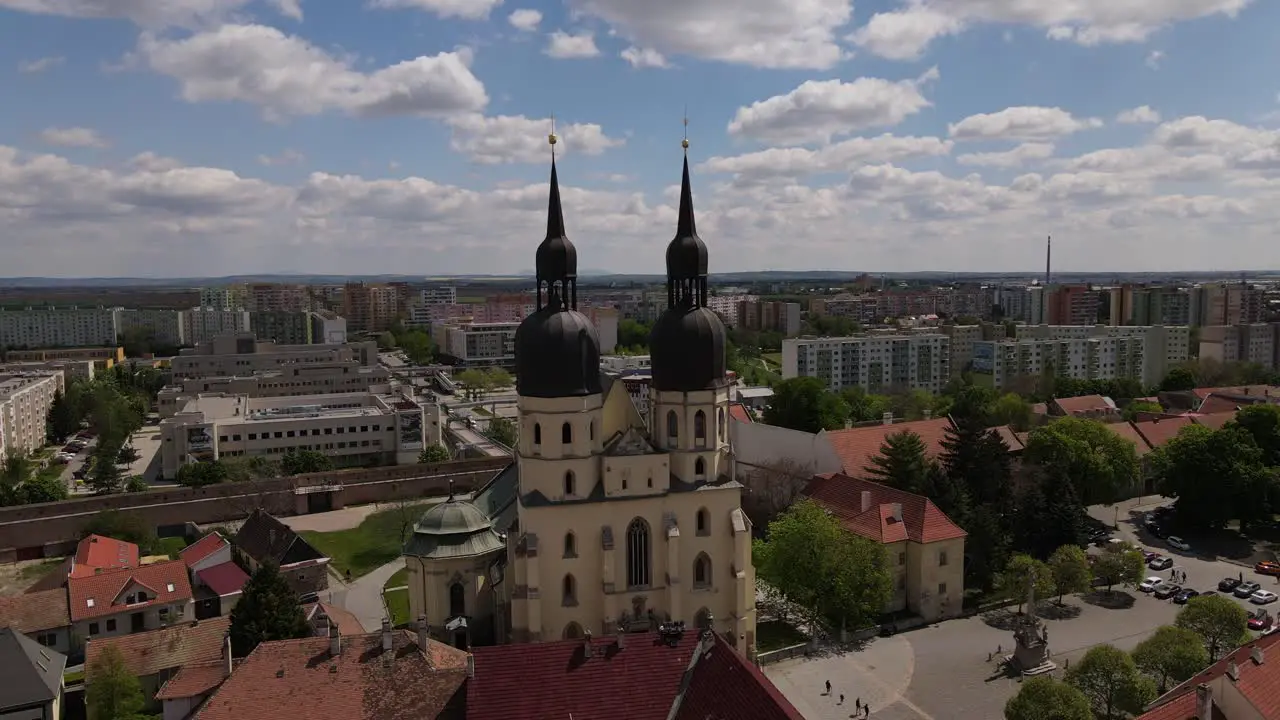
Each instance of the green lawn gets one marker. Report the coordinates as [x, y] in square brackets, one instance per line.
[73, 678]
[773, 358]
[39, 571]
[398, 605]
[775, 635]
[169, 546]
[398, 580]
[373, 544]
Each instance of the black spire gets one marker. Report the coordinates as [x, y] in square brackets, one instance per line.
[557, 259]
[686, 227]
[555, 214]
[686, 254]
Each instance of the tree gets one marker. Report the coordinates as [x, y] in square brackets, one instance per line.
[1021, 569]
[632, 335]
[298, 462]
[41, 488]
[105, 477]
[498, 378]
[1171, 654]
[1013, 410]
[63, 420]
[1100, 463]
[901, 463]
[833, 575]
[1218, 621]
[804, 403]
[121, 526]
[16, 470]
[502, 431]
[1241, 487]
[245, 468]
[1069, 567]
[386, 340]
[863, 406]
[268, 610]
[976, 460]
[1120, 563]
[200, 474]
[1043, 698]
[772, 488]
[1262, 422]
[1111, 682]
[112, 691]
[434, 453]
[477, 383]
[1141, 406]
[950, 495]
[1179, 378]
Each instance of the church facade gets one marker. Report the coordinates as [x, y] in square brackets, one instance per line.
[604, 523]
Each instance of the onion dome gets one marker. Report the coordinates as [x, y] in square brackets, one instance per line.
[687, 350]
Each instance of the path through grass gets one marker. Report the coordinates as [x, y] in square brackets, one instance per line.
[373, 544]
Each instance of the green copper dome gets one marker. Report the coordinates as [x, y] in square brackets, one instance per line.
[454, 528]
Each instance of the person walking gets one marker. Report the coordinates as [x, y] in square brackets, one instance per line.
[841, 699]
[857, 703]
[828, 687]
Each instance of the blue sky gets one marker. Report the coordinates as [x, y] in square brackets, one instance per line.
[208, 137]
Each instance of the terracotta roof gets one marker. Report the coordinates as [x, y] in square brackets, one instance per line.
[722, 679]
[194, 679]
[1130, 433]
[1158, 433]
[147, 653]
[347, 623]
[298, 678]
[738, 412]
[99, 595]
[224, 578]
[203, 548]
[1215, 404]
[920, 520]
[33, 612]
[856, 446]
[1084, 405]
[1010, 438]
[97, 552]
[1258, 683]
[1214, 421]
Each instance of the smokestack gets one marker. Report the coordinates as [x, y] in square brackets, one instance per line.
[335, 640]
[1048, 260]
[422, 633]
[386, 634]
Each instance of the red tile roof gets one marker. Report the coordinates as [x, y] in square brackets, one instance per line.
[1215, 404]
[723, 683]
[738, 412]
[194, 679]
[203, 548]
[224, 579]
[1130, 433]
[98, 595]
[299, 679]
[1214, 420]
[856, 446]
[147, 653]
[33, 612]
[347, 623]
[1258, 683]
[920, 520]
[1085, 405]
[1010, 438]
[1158, 433]
[96, 552]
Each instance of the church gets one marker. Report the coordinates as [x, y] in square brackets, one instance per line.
[602, 524]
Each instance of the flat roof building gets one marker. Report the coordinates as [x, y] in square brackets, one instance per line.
[243, 354]
[25, 399]
[324, 378]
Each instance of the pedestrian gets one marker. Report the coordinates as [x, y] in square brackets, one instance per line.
[857, 703]
[828, 687]
[841, 699]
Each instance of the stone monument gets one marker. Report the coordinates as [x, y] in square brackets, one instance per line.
[1031, 640]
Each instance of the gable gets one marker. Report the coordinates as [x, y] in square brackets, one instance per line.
[630, 442]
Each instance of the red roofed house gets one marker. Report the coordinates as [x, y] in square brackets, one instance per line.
[41, 616]
[210, 550]
[1098, 407]
[216, 581]
[130, 600]
[187, 689]
[856, 446]
[1244, 685]
[926, 549]
[156, 656]
[1159, 432]
[96, 553]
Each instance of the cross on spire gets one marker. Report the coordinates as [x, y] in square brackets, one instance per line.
[552, 139]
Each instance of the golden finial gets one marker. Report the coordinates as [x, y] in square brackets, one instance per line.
[552, 139]
[685, 142]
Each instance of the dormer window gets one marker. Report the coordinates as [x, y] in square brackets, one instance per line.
[170, 587]
[89, 602]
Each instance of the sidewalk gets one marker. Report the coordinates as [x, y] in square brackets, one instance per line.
[364, 595]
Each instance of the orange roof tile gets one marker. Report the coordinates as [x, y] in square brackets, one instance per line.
[33, 612]
[856, 446]
[298, 678]
[1258, 683]
[1213, 421]
[147, 653]
[347, 623]
[873, 516]
[1010, 438]
[1085, 404]
[194, 679]
[203, 548]
[99, 595]
[96, 552]
[1159, 432]
[738, 412]
[1128, 432]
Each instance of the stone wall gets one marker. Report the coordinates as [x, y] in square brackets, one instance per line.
[31, 531]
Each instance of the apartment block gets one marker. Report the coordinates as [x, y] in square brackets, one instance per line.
[25, 399]
[205, 323]
[278, 297]
[1071, 305]
[1226, 304]
[1163, 346]
[285, 327]
[727, 306]
[1002, 363]
[960, 345]
[164, 326]
[70, 369]
[438, 295]
[1155, 305]
[351, 428]
[1253, 343]
[59, 327]
[370, 308]
[327, 328]
[768, 316]
[919, 361]
[1014, 302]
[234, 355]
[482, 344]
[229, 297]
[103, 358]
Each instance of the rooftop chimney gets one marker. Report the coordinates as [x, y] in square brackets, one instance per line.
[1204, 701]
[335, 640]
[1257, 656]
[1233, 670]
[620, 638]
[586, 644]
[888, 418]
[226, 653]
[386, 634]
[866, 500]
[422, 633]
[471, 665]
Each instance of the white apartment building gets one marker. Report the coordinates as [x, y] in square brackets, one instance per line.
[59, 327]
[25, 399]
[351, 428]
[166, 326]
[1014, 302]
[328, 328]
[1163, 346]
[438, 295]
[476, 344]
[625, 363]
[227, 297]
[320, 379]
[205, 323]
[876, 363]
[1000, 363]
[727, 306]
[1253, 343]
[238, 355]
[960, 347]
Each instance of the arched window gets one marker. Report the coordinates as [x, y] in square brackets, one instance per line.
[699, 467]
[572, 631]
[569, 484]
[569, 591]
[537, 433]
[673, 426]
[700, 427]
[703, 522]
[457, 600]
[702, 571]
[720, 422]
[570, 545]
[566, 434]
[638, 554]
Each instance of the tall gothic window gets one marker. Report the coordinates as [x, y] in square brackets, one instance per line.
[570, 487]
[720, 422]
[638, 571]
[457, 600]
[700, 428]
[537, 433]
[703, 522]
[566, 434]
[702, 571]
[699, 468]
[673, 426]
[570, 545]
[569, 593]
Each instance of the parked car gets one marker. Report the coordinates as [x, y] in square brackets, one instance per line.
[1246, 589]
[1151, 583]
[1164, 591]
[1267, 567]
[1178, 543]
[1161, 563]
[1229, 584]
[1148, 556]
[1263, 597]
[1260, 619]
[1186, 594]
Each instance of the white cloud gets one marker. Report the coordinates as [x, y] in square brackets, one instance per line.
[154, 14]
[904, 35]
[41, 64]
[1138, 116]
[285, 75]
[525, 19]
[1018, 156]
[565, 46]
[76, 137]
[1020, 123]
[818, 110]
[1154, 58]
[760, 33]
[284, 157]
[643, 58]
[465, 9]
[518, 139]
[839, 157]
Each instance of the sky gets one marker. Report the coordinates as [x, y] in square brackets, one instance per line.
[166, 138]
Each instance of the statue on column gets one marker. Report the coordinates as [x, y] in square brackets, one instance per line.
[1031, 640]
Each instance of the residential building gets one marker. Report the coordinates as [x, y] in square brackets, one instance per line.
[438, 295]
[352, 429]
[216, 580]
[42, 615]
[229, 297]
[1097, 352]
[1150, 305]
[1237, 687]
[1226, 304]
[856, 446]
[156, 656]
[200, 325]
[1253, 343]
[327, 328]
[103, 358]
[960, 345]
[55, 327]
[1071, 305]
[70, 369]
[283, 327]
[187, 689]
[756, 398]
[129, 599]
[370, 308]
[476, 344]
[232, 355]
[278, 297]
[769, 316]
[919, 361]
[25, 399]
[726, 306]
[31, 684]
[1014, 302]
[162, 326]
[1097, 407]
[264, 539]
[318, 379]
[925, 548]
